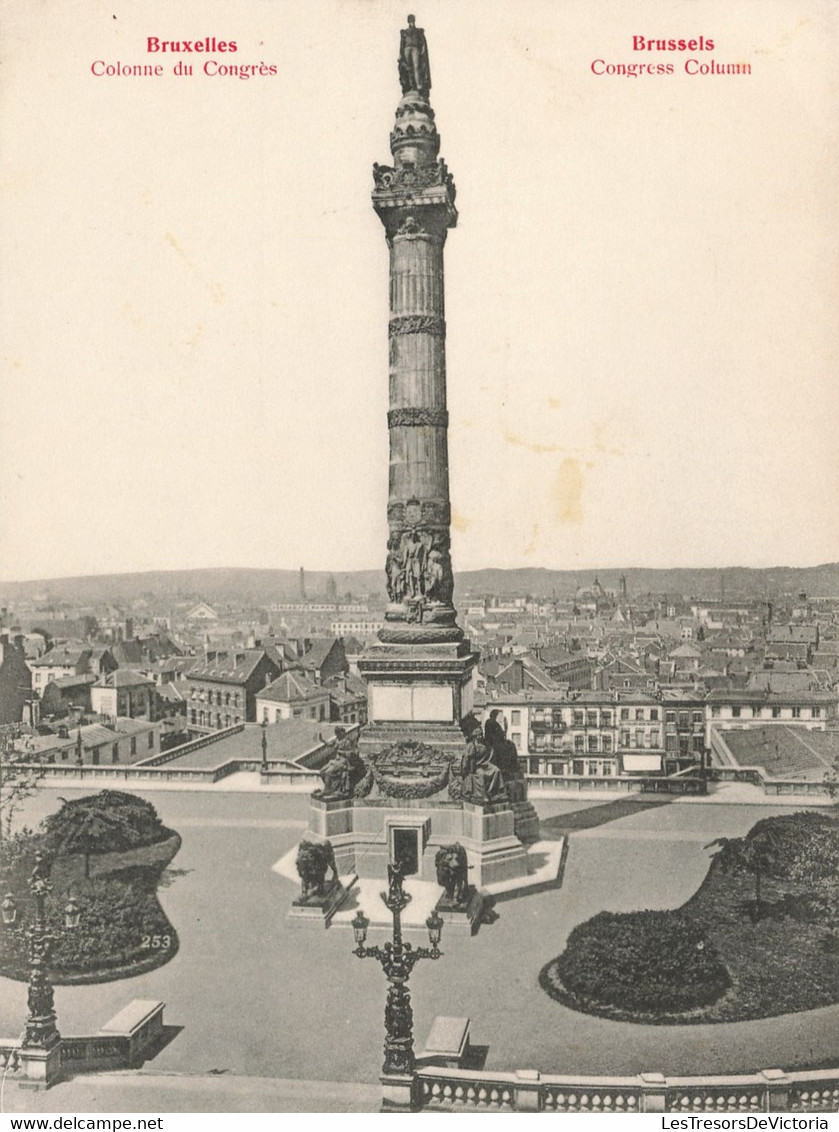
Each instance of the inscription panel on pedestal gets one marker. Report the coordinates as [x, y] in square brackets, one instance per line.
[418, 703]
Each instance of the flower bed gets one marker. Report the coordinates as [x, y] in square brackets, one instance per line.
[758, 939]
[123, 930]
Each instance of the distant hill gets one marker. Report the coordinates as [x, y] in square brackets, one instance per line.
[250, 587]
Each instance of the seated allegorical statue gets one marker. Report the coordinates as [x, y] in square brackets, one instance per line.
[504, 752]
[345, 769]
[482, 780]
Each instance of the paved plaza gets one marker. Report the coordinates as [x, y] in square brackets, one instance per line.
[249, 996]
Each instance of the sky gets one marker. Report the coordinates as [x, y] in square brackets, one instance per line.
[640, 292]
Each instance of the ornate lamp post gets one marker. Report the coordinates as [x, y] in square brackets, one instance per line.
[264, 767]
[398, 960]
[41, 1032]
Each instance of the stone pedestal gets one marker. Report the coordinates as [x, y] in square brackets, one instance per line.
[317, 911]
[39, 1067]
[397, 1092]
[361, 831]
[417, 691]
[462, 919]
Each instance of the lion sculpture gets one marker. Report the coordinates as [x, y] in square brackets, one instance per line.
[453, 872]
[314, 859]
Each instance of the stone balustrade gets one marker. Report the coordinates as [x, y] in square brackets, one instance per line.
[772, 1090]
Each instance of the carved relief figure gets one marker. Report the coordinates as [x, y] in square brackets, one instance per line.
[414, 71]
[419, 570]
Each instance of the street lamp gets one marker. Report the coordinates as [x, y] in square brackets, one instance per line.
[264, 767]
[41, 1031]
[397, 960]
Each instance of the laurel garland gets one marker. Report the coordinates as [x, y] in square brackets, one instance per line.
[413, 788]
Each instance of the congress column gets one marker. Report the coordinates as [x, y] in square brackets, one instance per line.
[420, 673]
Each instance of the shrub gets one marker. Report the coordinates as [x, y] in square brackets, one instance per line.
[640, 961]
[108, 822]
[807, 845]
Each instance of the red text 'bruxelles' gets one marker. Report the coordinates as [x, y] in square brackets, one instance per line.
[209, 43]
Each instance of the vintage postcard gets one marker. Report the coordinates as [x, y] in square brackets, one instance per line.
[418, 543]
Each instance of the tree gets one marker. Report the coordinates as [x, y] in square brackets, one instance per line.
[19, 778]
[108, 822]
[757, 853]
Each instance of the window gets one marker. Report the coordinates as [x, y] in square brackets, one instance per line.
[591, 719]
[151, 740]
[654, 714]
[735, 711]
[697, 717]
[578, 766]
[533, 766]
[624, 713]
[776, 713]
[515, 718]
[133, 744]
[606, 719]
[654, 739]
[313, 713]
[556, 768]
[192, 715]
[624, 738]
[516, 738]
[816, 712]
[639, 714]
[579, 743]
[579, 718]
[683, 719]
[607, 744]
[670, 717]
[639, 738]
[592, 743]
[115, 753]
[672, 743]
[796, 713]
[756, 712]
[715, 712]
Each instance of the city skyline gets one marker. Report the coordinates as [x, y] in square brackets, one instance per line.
[638, 293]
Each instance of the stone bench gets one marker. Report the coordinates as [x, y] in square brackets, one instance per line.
[141, 1022]
[447, 1042]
